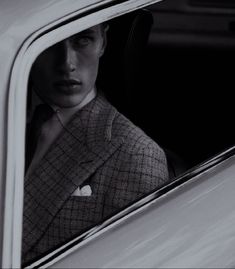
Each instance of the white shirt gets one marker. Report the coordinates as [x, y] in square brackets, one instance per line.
[52, 128]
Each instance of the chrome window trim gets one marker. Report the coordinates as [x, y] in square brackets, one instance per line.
[30, 49]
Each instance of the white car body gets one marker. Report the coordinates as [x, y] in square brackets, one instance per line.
[191, 225]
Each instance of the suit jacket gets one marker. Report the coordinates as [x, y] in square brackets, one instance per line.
[99, 147]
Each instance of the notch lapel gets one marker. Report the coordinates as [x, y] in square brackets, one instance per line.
[80, 149]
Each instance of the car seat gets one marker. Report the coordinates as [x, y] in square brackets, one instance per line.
[120, 66]
[120, 72]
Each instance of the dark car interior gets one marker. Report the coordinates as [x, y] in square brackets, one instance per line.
[176, 82]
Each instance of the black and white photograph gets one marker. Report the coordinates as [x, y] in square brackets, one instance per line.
[117, 144]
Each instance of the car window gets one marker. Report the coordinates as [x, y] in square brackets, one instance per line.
[122, 112]
[85, 158]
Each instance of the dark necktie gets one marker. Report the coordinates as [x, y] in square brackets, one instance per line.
[42, 114]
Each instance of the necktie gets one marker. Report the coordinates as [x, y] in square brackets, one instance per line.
[42, 114]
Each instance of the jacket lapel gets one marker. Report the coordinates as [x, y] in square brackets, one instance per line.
[81, 149]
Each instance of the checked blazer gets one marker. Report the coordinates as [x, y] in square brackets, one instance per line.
[99, 147]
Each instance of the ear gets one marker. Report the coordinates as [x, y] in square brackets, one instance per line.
[104, 37]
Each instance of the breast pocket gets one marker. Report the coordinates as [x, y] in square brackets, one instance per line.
[79, 214]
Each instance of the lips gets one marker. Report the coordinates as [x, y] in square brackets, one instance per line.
[67, 83]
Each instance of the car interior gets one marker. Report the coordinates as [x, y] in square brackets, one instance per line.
[169, 71]
[125, 55]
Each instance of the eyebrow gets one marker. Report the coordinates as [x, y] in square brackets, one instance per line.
[88, 31]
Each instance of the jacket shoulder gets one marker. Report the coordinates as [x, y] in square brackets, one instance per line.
[133, 136]
[138, 167]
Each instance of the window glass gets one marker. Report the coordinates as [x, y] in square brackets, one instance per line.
[116, 112]
[189, 57]
[85, 157]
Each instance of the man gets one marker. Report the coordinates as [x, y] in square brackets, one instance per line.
[89, 160]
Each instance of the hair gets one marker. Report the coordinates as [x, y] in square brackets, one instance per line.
[105, 26]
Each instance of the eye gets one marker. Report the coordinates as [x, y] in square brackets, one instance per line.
[82, 41]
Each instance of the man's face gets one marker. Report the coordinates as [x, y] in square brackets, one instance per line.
[65, 73]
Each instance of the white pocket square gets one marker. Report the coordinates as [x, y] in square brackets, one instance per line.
[84, 191]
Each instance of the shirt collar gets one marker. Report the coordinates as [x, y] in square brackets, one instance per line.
[63, 113]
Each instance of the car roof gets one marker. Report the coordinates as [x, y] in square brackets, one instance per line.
[19, 17]
[22, 18]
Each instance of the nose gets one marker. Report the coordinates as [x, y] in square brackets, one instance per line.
[66, 57]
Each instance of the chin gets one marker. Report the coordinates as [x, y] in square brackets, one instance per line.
[67, 102]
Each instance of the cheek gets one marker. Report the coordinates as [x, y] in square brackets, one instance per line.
[41, 77]
[88, 64]
[90, 56]
[93, 69]
[43, 69]
[41, 80]
[42, 83]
